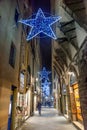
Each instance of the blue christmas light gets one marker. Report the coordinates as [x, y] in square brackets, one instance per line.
[44, 74]
[46, 83]
[40, 24]
[46, 91]
[45, 88]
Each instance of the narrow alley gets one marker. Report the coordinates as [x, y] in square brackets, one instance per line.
[49, 120]
[43, 62]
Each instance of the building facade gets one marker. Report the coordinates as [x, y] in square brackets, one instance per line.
[69, 57]
[19, 63]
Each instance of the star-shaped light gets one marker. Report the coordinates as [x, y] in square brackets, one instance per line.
[40, 24]
[46, 83]
[44, 74]
[46, 88]
[46, 91]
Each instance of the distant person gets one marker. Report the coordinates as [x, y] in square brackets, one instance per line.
[49, 104]
[39, 107]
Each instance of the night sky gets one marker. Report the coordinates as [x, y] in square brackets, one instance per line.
[45, 43]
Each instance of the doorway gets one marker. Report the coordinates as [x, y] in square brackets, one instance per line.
[10, 113]
[12, 108]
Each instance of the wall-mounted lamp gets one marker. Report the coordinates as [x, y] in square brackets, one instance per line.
[71, 73]
[36, 79]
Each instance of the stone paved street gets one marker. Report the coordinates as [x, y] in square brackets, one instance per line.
[49, 120]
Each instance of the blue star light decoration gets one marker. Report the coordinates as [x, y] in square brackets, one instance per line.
[40, 24]
[46, 83]
[45, 88]
[44, 74]
[46, 91]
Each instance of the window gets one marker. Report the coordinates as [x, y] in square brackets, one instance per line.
[16, 16]
[12, 55]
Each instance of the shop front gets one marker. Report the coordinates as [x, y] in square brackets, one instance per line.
[75, 99]
[20, 106]
[77, 102]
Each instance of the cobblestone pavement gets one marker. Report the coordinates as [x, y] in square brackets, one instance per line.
[49, 120]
